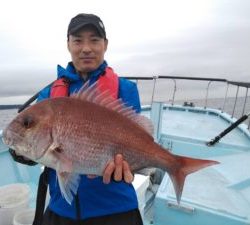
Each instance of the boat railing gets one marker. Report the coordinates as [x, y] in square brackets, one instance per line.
[239, 86]
[174, 79]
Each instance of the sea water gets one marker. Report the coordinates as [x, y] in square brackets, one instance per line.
[6, 115]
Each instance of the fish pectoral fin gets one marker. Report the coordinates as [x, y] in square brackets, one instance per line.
[64, 164]
[68, 183]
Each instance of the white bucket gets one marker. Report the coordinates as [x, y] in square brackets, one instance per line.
[13, 198]
[24, 217]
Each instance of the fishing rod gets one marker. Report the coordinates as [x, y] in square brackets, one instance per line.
[229, 129]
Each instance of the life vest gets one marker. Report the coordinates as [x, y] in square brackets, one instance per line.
[107, 81]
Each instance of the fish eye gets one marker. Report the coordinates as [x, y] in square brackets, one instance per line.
[27, 122]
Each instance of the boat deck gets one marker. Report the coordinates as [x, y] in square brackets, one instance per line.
[201, 124]
[216, 195]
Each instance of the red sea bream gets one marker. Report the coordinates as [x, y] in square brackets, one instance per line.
[80, 134]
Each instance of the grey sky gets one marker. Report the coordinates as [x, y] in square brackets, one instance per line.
[161, 37]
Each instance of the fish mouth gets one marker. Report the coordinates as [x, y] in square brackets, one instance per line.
[6, 142]
[10, 137]
[6, 134]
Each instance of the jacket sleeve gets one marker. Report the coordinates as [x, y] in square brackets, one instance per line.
[128, 92]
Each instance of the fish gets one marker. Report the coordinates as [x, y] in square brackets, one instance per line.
[82, 133]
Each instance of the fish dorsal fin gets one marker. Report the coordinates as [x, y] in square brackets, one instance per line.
[92, 94]
[146, 123]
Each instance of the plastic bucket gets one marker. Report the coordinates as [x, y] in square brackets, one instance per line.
[13, 198]
[24, 217]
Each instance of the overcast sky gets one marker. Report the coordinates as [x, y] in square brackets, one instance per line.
[158, 37]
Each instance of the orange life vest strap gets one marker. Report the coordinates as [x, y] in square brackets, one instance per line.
[108, 81]
[60, 88]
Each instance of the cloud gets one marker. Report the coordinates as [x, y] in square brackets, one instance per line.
[24, 81]
[214, 42]
[214, 52]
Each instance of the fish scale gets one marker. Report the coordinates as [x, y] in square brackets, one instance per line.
[80, 135]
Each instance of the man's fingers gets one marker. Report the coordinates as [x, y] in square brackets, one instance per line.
[108, 172]
[118, 167]
[127, 174]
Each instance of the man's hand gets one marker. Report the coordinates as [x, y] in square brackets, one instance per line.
[118, 169]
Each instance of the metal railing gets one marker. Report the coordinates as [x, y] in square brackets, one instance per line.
[174, 79]
[228, 83]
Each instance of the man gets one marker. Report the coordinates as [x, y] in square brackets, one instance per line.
[110, 199]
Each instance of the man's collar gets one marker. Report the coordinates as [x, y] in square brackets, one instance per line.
[71, 74]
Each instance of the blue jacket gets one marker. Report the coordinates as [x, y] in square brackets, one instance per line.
[95, 197]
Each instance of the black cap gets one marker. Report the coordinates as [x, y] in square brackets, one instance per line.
[84, 19]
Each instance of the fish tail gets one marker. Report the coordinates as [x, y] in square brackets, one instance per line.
[185, 166]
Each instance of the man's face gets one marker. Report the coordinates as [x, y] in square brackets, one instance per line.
[87, 50]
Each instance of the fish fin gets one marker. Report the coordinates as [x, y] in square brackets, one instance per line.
[145, 123]
[183, 167]
[63, 163]
[68, 183]
[92, 94]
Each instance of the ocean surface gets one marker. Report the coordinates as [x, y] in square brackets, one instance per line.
[6, 115]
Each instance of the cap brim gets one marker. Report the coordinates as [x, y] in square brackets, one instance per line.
[80, 26]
